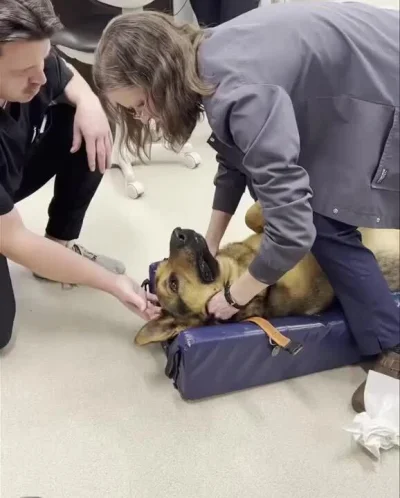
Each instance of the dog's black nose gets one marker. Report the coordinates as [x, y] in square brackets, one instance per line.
[180, 235]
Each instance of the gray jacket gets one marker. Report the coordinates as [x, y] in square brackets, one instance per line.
[306, 113]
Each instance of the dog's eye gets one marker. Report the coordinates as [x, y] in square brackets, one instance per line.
[173, 283]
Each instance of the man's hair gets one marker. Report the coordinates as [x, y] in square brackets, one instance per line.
[28, 20]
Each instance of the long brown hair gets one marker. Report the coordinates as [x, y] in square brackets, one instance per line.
[150, 50]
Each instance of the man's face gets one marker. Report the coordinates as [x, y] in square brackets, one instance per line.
[21, 69]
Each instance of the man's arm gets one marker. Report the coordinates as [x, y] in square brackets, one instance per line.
[49, 259]
[77, 90]
[64, 80]
[90, 125]
[58, 263]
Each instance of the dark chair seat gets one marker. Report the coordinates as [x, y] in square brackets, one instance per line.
[84, 22]
[84, 35]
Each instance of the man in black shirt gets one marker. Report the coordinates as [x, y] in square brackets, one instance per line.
[42, 138]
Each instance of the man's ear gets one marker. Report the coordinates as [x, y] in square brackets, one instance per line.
[159, 330]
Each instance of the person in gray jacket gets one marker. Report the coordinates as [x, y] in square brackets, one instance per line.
[303, 102]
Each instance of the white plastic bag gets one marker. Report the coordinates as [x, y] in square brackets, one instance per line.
[378, 427]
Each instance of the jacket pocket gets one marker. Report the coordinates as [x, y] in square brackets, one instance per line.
[387, 174]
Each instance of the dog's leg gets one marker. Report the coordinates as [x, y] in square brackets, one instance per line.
[254, 218]
[278, 302]
[310, 300]
[254, 308]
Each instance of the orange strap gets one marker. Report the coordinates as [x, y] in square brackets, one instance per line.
[273, 333]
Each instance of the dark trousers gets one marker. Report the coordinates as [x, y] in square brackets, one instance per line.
[368, 305]
[215, 12]
[74, 188]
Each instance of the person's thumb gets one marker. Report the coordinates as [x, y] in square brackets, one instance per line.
[77, 140]
[138, 299]
[152, 298]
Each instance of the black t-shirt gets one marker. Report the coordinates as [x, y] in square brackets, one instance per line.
[18, 125]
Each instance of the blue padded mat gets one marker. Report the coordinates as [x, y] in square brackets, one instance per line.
[218, 359]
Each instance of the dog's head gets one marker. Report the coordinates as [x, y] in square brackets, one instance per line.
[185, 282]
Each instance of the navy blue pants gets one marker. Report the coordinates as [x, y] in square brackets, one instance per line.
[368, 305]
[216, 12]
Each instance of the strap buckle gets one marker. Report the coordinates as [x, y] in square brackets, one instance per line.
[293, 348]
[276, 338]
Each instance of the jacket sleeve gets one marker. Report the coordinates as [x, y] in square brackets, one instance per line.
[262, 124]
[230, 184]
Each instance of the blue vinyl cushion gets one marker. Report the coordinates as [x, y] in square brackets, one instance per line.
[218, 359]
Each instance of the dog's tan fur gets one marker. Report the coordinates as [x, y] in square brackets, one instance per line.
[304, 290]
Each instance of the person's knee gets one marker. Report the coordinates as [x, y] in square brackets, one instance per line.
[5, 337]
[62, 119]
[7, 304]
[7, 325]
[63, 116]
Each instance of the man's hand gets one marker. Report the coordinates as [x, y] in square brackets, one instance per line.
[134, 297]
[91, 125]
[59, 264]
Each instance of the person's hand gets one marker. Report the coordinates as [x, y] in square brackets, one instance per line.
[220, 308]
[153, 309]
[134, 297]
[91, 124]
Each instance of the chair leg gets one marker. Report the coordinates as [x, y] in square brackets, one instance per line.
[122, 160]
[191, 159]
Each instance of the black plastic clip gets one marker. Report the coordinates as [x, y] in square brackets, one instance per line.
[293, 348]
[146, 285]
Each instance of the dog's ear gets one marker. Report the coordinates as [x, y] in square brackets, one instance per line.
[159, 330]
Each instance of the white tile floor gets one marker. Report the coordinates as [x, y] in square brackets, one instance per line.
[85, 414]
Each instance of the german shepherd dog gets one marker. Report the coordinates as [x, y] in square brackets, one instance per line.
[186, 281]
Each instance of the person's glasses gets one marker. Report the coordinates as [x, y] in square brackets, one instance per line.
[139, 114]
